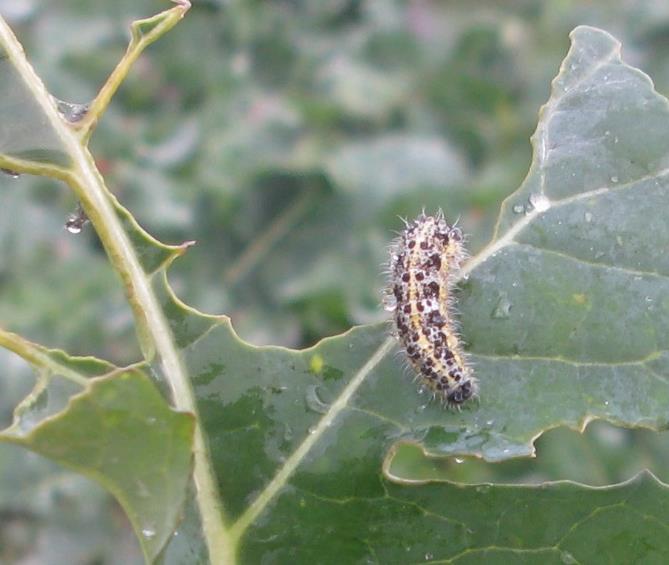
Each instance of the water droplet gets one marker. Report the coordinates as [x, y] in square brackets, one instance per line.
[614, 179]
[315, 401]
[77, 220]
[518, 209]
[421, 408]
[72, 112]
[148, 533]
[502, 308]
[588, 217]
[10, 173]
[389, 302]
[540, 202]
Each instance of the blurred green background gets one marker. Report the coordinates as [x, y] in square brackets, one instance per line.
[285, 137]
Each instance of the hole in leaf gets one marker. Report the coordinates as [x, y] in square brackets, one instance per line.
[604, 454]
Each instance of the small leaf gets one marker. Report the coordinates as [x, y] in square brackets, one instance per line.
[118, 431]
[151, 28]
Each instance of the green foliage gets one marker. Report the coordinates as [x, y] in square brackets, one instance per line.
[118, 431]
[310, 144]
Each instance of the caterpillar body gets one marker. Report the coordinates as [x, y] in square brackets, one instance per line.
[424, 261]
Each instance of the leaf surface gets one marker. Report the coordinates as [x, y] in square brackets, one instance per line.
[297, 437]
[27, 132]
[546, 309]
[111, 425]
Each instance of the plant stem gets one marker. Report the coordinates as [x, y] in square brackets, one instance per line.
[36, 356]
[158, 25]
[88, 184]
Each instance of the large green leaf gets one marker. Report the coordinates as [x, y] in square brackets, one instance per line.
[548, 309]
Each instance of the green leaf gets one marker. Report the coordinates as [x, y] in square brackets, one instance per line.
[289, 444]
[116, 428]
[566, 305]
[297, 436]
[27, 132]
[557, 523]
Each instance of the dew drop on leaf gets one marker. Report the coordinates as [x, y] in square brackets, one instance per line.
[314, 400]
[502, 308]
[72, 227]
[10, 173]
[72, 112]
[389, 302]
[77, 220]
[540, 202]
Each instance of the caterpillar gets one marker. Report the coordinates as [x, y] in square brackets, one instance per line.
[424, 260]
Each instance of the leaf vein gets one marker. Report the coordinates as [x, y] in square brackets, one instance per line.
[627, 270]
